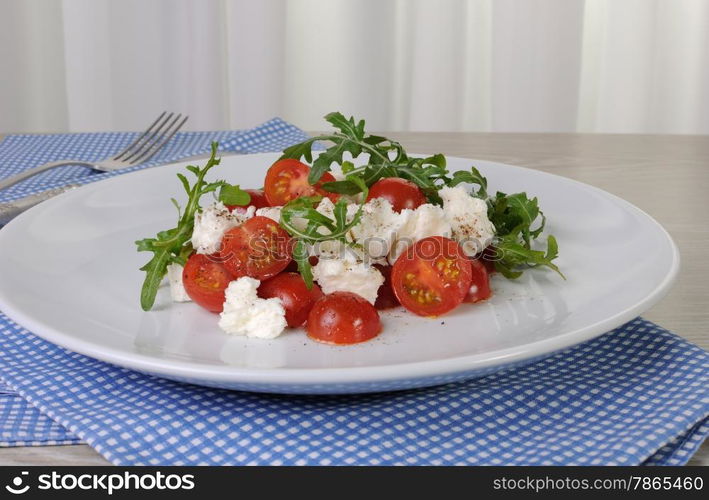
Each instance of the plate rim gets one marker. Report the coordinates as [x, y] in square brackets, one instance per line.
[344, 375]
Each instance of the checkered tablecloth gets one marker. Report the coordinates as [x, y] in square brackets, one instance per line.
[637, 395]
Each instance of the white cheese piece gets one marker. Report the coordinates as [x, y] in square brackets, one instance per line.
[348, 275]
[335, 249]
[245, 313]
[177, 289]
[468, 219]
[212, 222]
[378, 228]
[426, 220]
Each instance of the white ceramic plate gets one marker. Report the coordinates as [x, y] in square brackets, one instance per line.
[69, 273]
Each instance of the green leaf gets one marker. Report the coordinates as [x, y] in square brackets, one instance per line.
[347, 167]
[145, 245]
[319, 226]
[340, 213]
[512, 256]
[185, 183]
[374, 140]
[332, 155]
[173, 245]
[302, 258]
[233, 195]
[472, 177]
[438, 160]
[361, 185]
[348, 127]
[341, 187]
[301, 150]
[177, 206]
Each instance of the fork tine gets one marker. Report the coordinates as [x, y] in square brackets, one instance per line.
[139, 138]
[148, 141]
[158, 144]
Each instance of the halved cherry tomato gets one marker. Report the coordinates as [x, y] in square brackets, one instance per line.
[258, 200]
[432, 277]
[480, 282]
[297, 300]
[258, 248]
[205, 281]
[385, 295]
[343, 318]
[400, 193]
[287, 180]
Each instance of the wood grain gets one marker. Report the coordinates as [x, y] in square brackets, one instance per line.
[666, 176]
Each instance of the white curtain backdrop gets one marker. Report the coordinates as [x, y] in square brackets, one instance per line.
[638, 66]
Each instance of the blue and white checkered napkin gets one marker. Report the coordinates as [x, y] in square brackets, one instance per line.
[637, 395]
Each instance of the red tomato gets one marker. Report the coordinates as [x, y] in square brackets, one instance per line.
[385, 295]
[258, 200]
[297, 300]
[400, 193]
[343, 318]
[287, 180]
[432, 277]
[258, 248]
[205, 281]
[480, 282]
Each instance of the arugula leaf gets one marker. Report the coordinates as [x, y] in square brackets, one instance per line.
[233, 195]
[302, 149]
[511, 256]
[332, 155]
[342, 187]
[319, 226]
[350, 139]
[177, 206]
[349, 127]
[173, 245]
[302, 257]
[514, 217]
[509, 212]
[347, 167]
[472, 177]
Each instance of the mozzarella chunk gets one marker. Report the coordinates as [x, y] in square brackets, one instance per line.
[245, 313]
[177, 289]
[335, 249]
[468, 219]
[212, 222]
[378, 228]
[427, 220]
[348, 275]
[374, 235]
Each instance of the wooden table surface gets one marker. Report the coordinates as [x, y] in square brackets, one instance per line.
[666, 176]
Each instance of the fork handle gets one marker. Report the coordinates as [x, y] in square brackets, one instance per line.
[10, 181]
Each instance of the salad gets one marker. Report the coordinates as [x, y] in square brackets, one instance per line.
[326, 244]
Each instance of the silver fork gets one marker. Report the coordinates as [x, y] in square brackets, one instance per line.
[141, 150]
